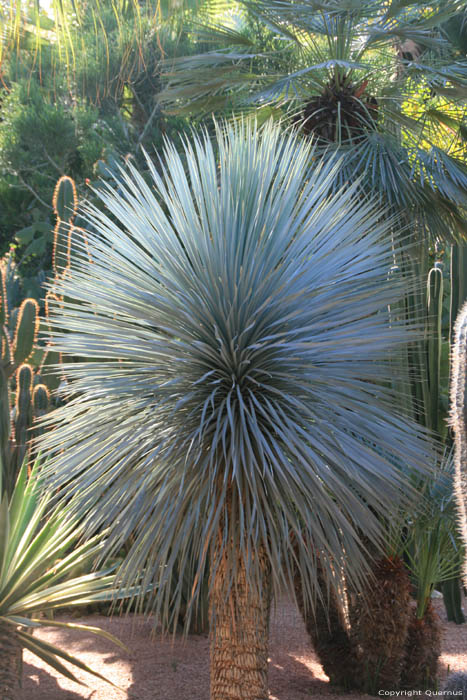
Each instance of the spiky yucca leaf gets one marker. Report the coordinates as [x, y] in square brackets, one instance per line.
[234, 337]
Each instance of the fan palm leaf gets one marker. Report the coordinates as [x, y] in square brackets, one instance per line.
[351, 74]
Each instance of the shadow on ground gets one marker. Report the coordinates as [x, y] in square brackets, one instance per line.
[168, 669]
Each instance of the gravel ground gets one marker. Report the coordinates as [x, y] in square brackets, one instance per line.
[158, 669]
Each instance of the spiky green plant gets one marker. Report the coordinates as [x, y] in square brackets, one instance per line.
[19, 329]
[232, 411]
[40, 547]
[431, 550]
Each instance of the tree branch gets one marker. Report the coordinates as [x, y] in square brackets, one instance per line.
[33, 192]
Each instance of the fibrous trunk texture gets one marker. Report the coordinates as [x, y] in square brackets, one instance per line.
[459, 421]
[422, 651]
[239, 632]
[380, 621]
[328, 633]
[10, 663]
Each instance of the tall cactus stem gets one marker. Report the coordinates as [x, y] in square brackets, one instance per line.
[40, 406]
[458, 420]
[23, 411]
[7, 351]
[5, 423]
[27, 328]
[434, 310]
[41, 400]
[3, 297]
[65, 206]
[65, 199]
[24, 382]
[458, 282]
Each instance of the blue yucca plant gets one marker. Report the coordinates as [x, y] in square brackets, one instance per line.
[232, 409]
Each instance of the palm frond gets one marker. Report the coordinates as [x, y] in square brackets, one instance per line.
[432, 550]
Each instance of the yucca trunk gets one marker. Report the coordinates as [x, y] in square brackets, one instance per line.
[10, 663]
[328, 634]
[380, 623]
[239, 634]
[422, 651]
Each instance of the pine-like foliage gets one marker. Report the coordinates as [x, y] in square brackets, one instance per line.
[233, 394]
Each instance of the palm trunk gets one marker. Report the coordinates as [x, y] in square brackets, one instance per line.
[380, 623]
[328, 634]
[422, 651]
[239, 633]
[10, 663]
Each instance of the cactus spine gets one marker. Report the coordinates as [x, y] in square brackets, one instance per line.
[459, 420]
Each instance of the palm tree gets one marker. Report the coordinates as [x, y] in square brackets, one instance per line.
[231, 410]
[383, 83]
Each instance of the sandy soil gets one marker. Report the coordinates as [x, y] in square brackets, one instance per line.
[162, 670]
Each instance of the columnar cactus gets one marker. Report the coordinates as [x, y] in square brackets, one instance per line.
[22, 410]
[434, 343]
[459, 420]
[40, 405]
[19, 330]
[65, 205]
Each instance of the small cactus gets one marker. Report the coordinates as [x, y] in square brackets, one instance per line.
[40, 400]
[459, 420]
[40, 406]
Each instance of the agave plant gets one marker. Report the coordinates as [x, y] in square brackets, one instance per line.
[230, 411]
[39, 550]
